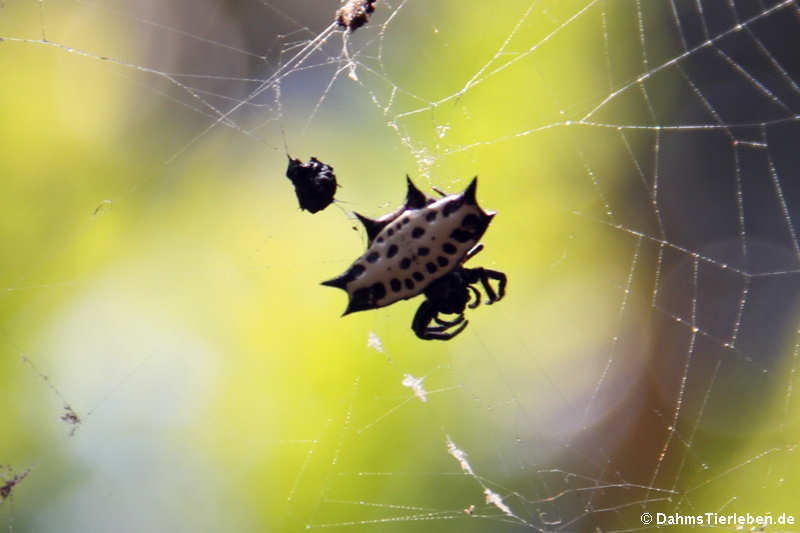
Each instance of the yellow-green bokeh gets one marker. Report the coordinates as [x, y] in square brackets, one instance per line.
[174, 302]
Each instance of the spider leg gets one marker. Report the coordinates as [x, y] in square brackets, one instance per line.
[448, 323]
[476, 293]
[484, 275]
[489, 291]
[436, 329]
[499, 277]
[435, 335]
[423, 317]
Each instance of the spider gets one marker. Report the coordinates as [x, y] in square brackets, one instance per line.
[314, 183]
[451, 294]
[420, 249]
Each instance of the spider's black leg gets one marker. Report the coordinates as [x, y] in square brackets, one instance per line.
[423, 316]
[435, 335]
[444, 325]
[499, 277]
[476, 293]
[427, 312]
[488, 288]
[448, 323]
[484, 275]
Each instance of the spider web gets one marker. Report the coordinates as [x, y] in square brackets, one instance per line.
[170, 362]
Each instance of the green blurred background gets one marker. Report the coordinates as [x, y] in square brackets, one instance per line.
[158, 280]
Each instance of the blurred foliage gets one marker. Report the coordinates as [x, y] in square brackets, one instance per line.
[169, 289]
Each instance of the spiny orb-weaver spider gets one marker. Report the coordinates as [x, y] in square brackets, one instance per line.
[420, 248]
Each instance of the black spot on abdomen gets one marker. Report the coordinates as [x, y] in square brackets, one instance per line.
[396, 285]
[354, 272]
[452, 206]
[392, 251]
[472, 226]
[409, 284]
[449, 248]
[405, 263]
[423, 251]
[371, 258]
[362, 299]
[378, 291]
[443, 262]
[417, 232]
[418, 276]
[430, 267]
[367, 297]
[472, 223]
[430, 217]
[460, 235]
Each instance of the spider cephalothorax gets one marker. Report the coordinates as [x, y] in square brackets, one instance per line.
[450, 295]
[420, 248]
[314, 183]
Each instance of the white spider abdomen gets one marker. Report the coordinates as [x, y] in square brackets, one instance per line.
[413, 247]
